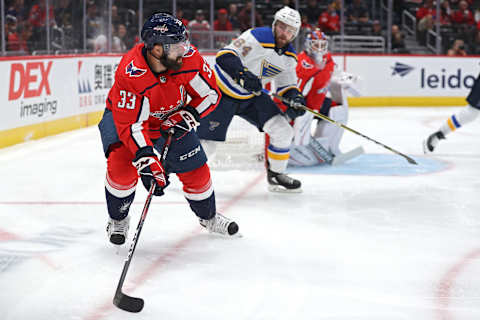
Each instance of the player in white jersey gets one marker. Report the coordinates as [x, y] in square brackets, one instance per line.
[455, 121]
[254, 59]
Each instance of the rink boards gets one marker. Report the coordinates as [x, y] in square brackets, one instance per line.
[46, 95]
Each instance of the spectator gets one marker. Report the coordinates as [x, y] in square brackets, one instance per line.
[95, 26]
[445, 13]
[18, 10]
[232, 16]
[329, 21]
[463, 15]
[377, 29]
[197, 27]
[458, 49]
[357, 12]
[116, 17]
[63, 13]
[245, 17]
[13, 41]
[312, 12]
[38, 16]
[222, 23]
[119, 38]
[425, 20]
[180, 16]
[398, 40]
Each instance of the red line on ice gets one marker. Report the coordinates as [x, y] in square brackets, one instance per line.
[102, 310]
[444, 289]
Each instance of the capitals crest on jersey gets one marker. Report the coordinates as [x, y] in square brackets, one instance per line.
[307, 65]
[133, 71]
[165, 111]
[269, 70]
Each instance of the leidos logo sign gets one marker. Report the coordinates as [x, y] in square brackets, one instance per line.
[437, 80]
[30, 80]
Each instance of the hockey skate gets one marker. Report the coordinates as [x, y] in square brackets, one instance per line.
[280, 182]
[430, 144]
[220, 224]
[117, 230]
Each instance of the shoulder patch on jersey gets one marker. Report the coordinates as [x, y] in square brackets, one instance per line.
[190, 52]
[307, 65]
[134, 71]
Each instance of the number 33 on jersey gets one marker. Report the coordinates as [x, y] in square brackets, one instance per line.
[141, 100]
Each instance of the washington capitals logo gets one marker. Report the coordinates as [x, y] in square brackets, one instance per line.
[307, 65]
[401, 69]
[133, 71]
[162, 29]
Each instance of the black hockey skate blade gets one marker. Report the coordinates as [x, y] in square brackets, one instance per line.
[127, 303]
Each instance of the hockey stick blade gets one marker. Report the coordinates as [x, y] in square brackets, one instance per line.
[127, 303]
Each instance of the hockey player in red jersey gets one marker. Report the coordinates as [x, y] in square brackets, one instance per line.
[147, 100]
[317, 76]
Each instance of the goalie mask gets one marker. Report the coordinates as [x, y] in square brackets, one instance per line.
[316, 46]
[291, 18]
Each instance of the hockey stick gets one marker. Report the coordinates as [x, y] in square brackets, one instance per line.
[318, 114]
[121, 300]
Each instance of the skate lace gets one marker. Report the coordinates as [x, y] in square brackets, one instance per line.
[119, 226]
[218, 224]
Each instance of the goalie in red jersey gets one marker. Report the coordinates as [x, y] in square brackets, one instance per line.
[147, 100]
[318, 76]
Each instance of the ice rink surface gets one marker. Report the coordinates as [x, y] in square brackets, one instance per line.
[381, 241]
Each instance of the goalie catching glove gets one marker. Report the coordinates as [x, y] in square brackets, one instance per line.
[182, 121]
[150, 170]
[249, 81]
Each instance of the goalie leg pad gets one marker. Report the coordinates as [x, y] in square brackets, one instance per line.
[331, 131]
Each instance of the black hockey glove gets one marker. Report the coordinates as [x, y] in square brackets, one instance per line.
[150, 170]
[182, 121]
[295, 105]
[249, 81]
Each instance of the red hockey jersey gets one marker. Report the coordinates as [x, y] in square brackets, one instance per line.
[141, 100]
[312, 81]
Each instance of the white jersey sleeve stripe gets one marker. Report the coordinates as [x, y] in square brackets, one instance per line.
[137, 127]
[308, 87]
[204, 90]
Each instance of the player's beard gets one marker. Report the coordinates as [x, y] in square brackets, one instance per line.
[281, 41]
[173, 64]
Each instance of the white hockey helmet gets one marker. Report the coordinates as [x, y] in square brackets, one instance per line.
[290, 17]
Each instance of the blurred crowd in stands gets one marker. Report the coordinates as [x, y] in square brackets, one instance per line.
[25, 22]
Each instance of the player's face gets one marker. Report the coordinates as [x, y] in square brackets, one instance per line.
[173, 58]
[284, 34]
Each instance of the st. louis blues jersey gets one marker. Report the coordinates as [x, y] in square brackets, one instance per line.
[256, 50]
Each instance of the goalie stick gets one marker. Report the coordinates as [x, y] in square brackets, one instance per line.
[122, 300]
[318, 114]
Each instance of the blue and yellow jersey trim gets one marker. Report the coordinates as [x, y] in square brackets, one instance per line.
[281, 91]
[264, 36]
[453, 123]
[274, 153]
[225, 51]
[227, 88]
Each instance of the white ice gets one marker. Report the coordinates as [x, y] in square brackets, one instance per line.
[349, 247]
